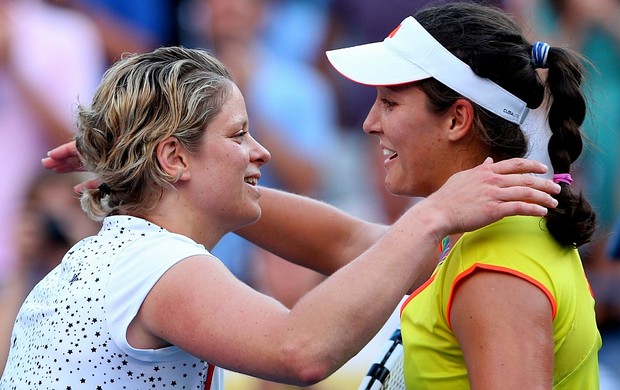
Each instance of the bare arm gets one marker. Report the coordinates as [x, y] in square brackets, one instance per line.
[310, 232]
[504, 326]
[302, 230]
[200, 307]
[321, 237]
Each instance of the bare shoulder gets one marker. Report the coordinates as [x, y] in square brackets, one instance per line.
[503, 323]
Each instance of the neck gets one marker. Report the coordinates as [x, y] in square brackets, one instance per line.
[175, 217]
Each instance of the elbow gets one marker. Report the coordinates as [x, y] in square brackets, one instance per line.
[308, 375]
[307, 364]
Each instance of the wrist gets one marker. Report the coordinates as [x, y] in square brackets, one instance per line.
[433, 219]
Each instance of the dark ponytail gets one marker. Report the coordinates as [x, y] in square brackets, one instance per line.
[573, 222]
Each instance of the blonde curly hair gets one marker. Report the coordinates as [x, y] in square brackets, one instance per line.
[142, 100]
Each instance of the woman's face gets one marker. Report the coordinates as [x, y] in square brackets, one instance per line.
[227, 166]
[413, 139]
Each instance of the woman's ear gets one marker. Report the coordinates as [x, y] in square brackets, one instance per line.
[173, 158]
[462, 117]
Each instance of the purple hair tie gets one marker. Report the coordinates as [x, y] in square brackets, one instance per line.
[563, 178]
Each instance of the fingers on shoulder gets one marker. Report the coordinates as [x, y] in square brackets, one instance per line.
[518, 165]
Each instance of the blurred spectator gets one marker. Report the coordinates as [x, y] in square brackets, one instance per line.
[129, 26]
[50, 222]
[156, 19]
[297, 29]
[613, 248]
[50, 58]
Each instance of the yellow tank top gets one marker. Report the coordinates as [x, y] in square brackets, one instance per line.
[520, 246]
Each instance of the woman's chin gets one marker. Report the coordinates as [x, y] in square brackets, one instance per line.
[253, 218]
[396, 187]
[400, 189]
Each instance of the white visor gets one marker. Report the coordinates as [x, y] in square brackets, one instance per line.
[410, 54]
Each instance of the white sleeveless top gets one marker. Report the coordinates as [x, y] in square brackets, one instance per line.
[71, 331]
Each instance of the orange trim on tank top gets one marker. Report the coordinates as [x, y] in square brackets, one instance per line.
[417, 291]
[440, 248]
[495, 268]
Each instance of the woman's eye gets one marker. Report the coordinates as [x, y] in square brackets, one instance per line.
[388, 103]
[240, 133]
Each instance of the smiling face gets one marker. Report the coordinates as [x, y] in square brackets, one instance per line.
[418, 153]
[225, 170]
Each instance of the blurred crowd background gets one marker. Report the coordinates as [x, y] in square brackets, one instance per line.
[54, 52]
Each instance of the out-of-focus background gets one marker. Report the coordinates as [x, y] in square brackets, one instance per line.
[54, 52]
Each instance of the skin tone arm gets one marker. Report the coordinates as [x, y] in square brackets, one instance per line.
[321, 231]
[333, 237]
[251, 333]
[325, 237]
[200, 307]
[257, 335]
[343, 236]
[504, 326]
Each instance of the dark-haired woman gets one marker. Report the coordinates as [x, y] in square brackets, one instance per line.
[509, 306]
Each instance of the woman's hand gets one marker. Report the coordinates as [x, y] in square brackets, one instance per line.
[65, 158]
[479, 196]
